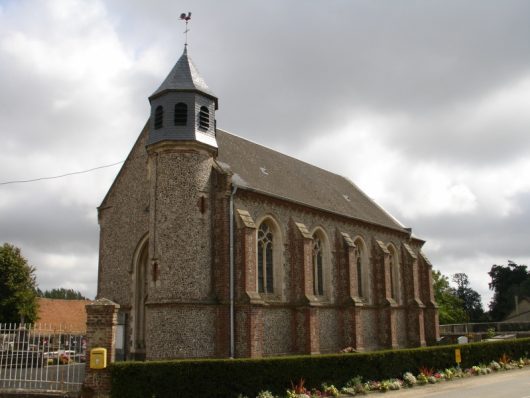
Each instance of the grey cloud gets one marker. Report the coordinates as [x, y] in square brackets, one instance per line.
[39, 220]
[284, 74]
[481, 233]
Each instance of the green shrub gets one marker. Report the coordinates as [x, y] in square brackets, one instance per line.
[229, 377]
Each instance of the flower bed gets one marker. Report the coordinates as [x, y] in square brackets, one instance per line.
[356, 386]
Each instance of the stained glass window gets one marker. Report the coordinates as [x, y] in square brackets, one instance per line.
[265, 259]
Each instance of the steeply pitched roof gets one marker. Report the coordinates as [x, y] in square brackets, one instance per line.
[262, 169]
[67, 314]
[184, 77]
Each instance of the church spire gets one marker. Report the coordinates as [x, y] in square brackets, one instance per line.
[184, 77]
[183, 107]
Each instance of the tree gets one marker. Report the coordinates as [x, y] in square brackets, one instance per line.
[470, 298]
[62, 293]
[507, 282]
[18, 287]
[450, 307]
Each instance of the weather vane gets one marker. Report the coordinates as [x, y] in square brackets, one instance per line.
[184, 17]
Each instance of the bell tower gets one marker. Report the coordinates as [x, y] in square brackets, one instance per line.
[183, 107]
[181, 148]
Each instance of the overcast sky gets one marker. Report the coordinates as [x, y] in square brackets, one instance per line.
[424, 104]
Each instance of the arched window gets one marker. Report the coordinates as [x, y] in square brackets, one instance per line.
[265, 259]
[159, 117]
[394, 272]
[361, 265]
[204, 118]
[318, 264]
[181, 114]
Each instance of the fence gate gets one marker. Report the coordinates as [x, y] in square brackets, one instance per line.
[41, 357]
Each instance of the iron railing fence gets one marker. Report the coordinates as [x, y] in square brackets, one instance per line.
[41, 357]
[484, 327]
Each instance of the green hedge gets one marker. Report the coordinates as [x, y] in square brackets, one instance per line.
[229, 377]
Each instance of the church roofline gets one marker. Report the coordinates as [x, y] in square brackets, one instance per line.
[184, 77]
[401, 228]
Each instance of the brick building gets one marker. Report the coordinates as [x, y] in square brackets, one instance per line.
[215, 246]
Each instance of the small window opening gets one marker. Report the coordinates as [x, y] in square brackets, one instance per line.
[155, 271]
[181, 114]
[159, 117]
[204, 118]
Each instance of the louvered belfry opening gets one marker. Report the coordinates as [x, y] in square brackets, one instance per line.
[159, 117]
[181, 114]
[204, 118]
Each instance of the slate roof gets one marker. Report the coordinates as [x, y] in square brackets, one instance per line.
[264, 170]
[68, 314]
[184, 77]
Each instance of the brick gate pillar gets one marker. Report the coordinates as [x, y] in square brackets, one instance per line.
[102, 318]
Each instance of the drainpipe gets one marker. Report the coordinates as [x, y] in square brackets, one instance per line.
[232, 318]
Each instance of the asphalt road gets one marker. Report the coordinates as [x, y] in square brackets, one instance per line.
[505, 384]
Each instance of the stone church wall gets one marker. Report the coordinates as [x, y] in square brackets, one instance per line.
[180, 236]
[181, 331]
[329, 330]
[123, 219]
[277, 331]
[402, 327]
[369, 320]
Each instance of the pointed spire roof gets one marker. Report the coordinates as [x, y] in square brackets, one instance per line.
[184, 77]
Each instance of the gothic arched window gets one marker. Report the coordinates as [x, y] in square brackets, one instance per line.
[265, 259]
[361, 265]
[159, 117]
[394, 273]
[181, 114]
[318, 265]
[204, 118]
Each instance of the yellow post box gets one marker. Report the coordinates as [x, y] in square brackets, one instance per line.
[98, 358]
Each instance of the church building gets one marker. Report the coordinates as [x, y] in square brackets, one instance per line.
[215, 246]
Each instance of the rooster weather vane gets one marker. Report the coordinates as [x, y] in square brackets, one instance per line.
[184, 17]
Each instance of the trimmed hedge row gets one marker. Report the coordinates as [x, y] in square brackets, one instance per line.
[229, 377]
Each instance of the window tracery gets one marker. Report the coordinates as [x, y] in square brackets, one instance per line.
[265, 259]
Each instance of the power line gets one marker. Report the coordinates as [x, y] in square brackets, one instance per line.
[62, 175]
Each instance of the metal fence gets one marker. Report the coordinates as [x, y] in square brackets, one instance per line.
[497, 327]
[41, 357]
